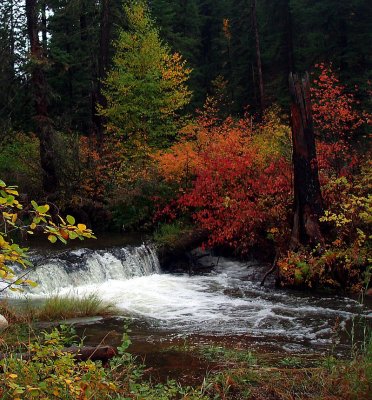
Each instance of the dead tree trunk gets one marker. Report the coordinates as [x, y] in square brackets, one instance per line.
[258, 56]
[43, 122]
[307, 194]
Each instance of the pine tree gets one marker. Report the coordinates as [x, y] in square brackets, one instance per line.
[43, 122]
[180, 23]
[15, 110]
[334, 31]
[74, 46]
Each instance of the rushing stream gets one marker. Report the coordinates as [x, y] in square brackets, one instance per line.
[225, 301]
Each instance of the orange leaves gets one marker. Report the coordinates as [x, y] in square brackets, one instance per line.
[234, 189]
[178, 164]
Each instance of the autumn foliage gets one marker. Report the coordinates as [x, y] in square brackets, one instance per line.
[335, 111]
[234, 183]
[342, 261]
[234, 177]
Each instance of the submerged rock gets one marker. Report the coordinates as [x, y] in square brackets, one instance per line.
[3, 323]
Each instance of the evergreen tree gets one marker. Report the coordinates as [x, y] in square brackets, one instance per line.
[74, 46]
[15, 100]
[146, 87]
[277, 48]
[244, 73]
[180, 25]
[337, 32]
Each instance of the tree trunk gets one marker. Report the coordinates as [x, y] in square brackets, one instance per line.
[44, 26]
[12, 41]
[258, 56]
[289, 39]
[307, 194]
[103, 59]
[43, 122]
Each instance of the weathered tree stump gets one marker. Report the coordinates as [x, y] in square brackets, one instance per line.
[308, 205]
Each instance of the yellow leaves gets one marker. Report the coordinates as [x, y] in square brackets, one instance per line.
[226, 202]
[82, 227]
[3, 274]
[338, 219]
[12, 191]
[52, 238]
[61, 378]
[10, 252]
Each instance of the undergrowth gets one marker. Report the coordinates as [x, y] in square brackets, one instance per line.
[234, 374]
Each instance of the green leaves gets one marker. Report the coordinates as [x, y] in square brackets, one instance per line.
[70, 219]
[146, 86]
[11, 253]
[52, 238]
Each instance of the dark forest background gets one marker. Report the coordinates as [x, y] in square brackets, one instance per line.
[216, 37]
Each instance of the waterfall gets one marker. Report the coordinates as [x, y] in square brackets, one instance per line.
[75, 268]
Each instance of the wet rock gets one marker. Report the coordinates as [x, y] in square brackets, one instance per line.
[3, 323]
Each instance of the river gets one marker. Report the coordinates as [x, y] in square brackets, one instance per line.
[225, 302]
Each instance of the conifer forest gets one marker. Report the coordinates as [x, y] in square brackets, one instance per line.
[185, 199]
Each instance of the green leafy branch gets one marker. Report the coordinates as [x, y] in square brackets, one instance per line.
[11, 254]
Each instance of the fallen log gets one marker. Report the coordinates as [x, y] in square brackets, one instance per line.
[99, 353]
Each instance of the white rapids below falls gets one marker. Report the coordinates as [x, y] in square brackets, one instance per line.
[227, 300]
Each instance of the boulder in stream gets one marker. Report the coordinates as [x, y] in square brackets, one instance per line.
[3, 323]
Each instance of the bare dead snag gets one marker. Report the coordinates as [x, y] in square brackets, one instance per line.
[308, 205]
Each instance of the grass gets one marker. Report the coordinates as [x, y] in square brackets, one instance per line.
[290, 378]
[66, 307]
[230, 373]
[240, 374]
[21, 318]
[222, 354]
[170, 234]
[57, 308]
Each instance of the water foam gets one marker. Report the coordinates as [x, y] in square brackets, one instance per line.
[76, 268]
[225, 301]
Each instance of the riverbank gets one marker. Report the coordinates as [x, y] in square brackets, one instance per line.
[216, 331]
[186, 369]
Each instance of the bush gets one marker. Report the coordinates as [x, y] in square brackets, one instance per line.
[343, 260]
[52, 373]
[20, 162]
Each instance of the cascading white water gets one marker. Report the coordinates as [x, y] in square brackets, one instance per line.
[227, 300]
[80, 267]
